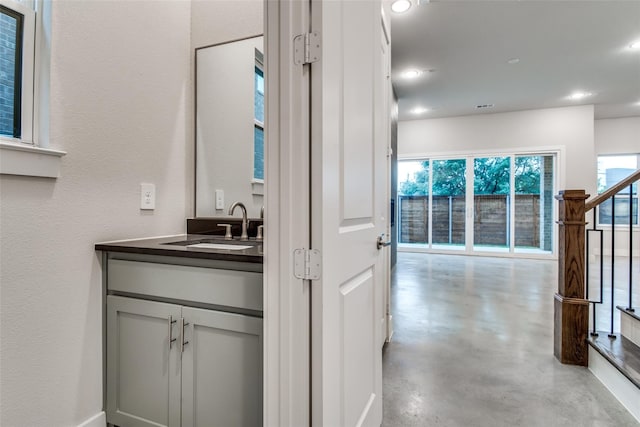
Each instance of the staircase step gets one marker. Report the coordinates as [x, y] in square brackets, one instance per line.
[630, 324]
[621, 353]
[635, 313]
[616, 363]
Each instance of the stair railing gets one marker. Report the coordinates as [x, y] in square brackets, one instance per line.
[571, 303]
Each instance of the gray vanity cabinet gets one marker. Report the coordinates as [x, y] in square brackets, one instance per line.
[174, 363]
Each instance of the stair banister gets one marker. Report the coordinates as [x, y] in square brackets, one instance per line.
[601, 198]
[571, 308]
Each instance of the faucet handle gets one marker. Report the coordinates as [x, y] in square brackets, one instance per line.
[259, 235]
[227, 235]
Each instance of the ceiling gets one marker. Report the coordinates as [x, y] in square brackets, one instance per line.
[557, 48]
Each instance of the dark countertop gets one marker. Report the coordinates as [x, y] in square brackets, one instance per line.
[164, 246]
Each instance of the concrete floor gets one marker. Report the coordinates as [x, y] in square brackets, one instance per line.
[473, 346]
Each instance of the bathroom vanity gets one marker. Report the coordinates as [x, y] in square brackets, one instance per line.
[183, 330]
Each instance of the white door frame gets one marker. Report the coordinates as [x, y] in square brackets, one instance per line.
[286, 299]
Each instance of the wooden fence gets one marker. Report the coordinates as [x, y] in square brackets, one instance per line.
[490, 222]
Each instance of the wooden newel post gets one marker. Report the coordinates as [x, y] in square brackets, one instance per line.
[571, 310]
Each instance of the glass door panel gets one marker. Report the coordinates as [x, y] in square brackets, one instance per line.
[448, 204]
[534, 192]
[491, 203]
[413, 206]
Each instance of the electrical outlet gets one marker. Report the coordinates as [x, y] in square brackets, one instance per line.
[219, 199]
[147, 196]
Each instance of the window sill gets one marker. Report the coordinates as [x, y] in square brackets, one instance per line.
[27, 160]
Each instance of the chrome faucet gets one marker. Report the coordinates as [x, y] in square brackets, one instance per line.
[245, 222]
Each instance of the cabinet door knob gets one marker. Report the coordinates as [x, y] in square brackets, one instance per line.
[171, 339]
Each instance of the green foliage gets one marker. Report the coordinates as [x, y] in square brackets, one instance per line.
[449, 177]
[528, 174]
[419, 186]
[492, 176]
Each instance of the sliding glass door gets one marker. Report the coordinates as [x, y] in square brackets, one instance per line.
[534, 191]
[490, 204]
[413, 203]
[449, 187]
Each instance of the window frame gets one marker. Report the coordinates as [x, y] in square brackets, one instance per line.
[30, 154]
[27, 74]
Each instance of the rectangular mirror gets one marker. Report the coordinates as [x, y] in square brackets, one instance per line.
[230, 127]
[227, 41]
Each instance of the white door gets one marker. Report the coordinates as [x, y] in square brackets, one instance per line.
[348, 170]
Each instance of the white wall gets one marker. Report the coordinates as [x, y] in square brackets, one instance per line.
[121, 107]
[570, 128]
[618, 136]
[221, 21]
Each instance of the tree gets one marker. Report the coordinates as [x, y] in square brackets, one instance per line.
[491, 176]
[449, 177]
[419, 184]
[528, 171]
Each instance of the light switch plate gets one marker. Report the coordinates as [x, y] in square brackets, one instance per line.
[147, 196]
[219, 199]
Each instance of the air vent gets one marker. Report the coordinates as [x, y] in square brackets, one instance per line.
[484, 106]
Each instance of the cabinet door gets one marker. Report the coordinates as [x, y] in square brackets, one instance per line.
[143, 366]
[221, 369]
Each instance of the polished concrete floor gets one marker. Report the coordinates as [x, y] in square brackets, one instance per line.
[473, 346]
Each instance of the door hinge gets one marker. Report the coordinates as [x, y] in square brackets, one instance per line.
[306, 48]
[307, 264]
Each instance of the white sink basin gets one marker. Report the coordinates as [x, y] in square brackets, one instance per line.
[219, 246]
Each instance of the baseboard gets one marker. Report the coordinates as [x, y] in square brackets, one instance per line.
[98, 420]
[623, 389]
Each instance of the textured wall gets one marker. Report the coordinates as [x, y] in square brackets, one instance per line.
[121, 108]
[221, 21]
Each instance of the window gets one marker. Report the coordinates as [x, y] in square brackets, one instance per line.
[258, 125]
[17, 50]
[24, 94]
[611, 170]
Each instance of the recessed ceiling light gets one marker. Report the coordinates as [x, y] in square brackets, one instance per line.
[400, 6]
[513, 61]
[634, 46]
[576, 96]
[420, 110]
[411, 74]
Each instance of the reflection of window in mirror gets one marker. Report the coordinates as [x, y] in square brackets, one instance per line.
[258, 132]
